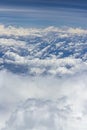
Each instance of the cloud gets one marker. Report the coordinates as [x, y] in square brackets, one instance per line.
[43, 78]
[36, 102]
[39, 114]
[11, 30]
[42, 51]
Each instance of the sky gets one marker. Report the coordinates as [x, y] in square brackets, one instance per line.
[43, 64]
[46, 3]
[43, 13]
[43, 82]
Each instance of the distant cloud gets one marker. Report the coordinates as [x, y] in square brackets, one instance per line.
[52, 50]
[14, 31]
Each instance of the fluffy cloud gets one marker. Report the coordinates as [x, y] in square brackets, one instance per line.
[46, 115]
[43, 51]
[14, 31]
[55, 96]
[38, 115]
[62, 101]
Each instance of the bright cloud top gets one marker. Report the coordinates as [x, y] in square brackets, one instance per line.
[43, 82]
[11, 30]
[43, 109]
[51, 50]
[52, 103]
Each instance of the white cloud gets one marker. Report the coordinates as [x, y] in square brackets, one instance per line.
[77, 31]
[49, 66]
[59, 78]
[66, 106]
[11, 42]
[14, 31]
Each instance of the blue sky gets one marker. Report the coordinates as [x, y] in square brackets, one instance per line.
[43, 13]
[40, 17]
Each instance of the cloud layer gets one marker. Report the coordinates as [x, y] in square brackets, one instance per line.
[35, 102]
[64, 109]
[43, 82]
[52, 50]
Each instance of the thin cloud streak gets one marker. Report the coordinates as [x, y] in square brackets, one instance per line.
[40, 17]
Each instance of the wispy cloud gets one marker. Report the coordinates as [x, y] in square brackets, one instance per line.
[35, 17]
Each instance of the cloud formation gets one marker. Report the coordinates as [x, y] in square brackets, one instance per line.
[43, 109]
[43, 82]
[43, 51]
[36, 102]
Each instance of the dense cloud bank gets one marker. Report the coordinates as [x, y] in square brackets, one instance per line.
[36, 103]
[43, 82]
[47, 115]
[49, 51]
